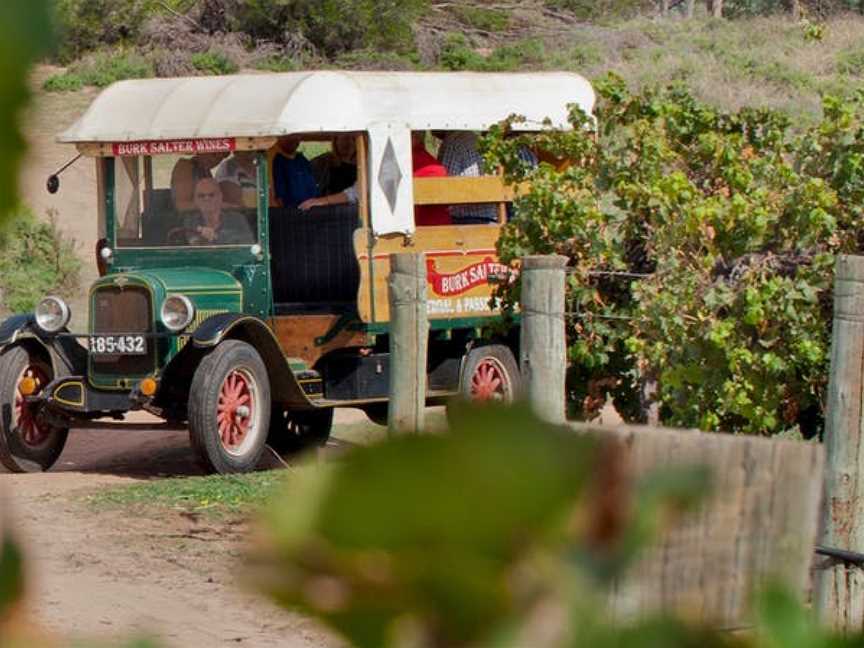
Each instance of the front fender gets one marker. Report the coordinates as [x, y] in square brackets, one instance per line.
[12, 327]
[63, 352]
[236, 326]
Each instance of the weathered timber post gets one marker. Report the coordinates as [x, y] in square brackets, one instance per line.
[840, 587]
[409, 339]
[543, 349]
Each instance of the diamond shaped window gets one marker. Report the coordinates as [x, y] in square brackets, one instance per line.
[389, 175]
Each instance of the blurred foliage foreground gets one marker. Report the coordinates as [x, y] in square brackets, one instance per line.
[701, 246]
[503, 532]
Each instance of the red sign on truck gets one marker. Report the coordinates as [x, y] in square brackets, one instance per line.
[183, 147]
[456, 283]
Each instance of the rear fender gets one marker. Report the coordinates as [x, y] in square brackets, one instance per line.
[234, 326]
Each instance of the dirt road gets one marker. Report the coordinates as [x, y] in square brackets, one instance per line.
[106, 573]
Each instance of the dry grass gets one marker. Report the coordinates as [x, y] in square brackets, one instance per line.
[760, 62]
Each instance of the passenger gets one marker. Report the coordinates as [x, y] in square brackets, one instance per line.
[238, 178]
[211, 225]
[293, 180]
[336, 170]
[186, 173]
[459, 155]
[424, 165]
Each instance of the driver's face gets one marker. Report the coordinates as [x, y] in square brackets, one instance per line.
[208, 196]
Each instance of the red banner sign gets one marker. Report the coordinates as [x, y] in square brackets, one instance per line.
[456, 283]
[182, 147]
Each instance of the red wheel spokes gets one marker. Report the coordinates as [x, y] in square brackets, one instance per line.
[235, 392]
[32, 432]
[488, 381]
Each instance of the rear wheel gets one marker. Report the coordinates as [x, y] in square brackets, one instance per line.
[293, 431]
[229, 408]
[489, 374]
[27, 444]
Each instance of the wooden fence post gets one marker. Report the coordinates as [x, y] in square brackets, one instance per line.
[409, 340]
[840, 587]
[543, 348]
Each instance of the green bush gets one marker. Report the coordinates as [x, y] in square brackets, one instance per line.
[483, 18]
[36, 260]
[457, 54]
[333, 26]
[213, 62]
[101, 69]
[277, 64]
[851, 62]
[86, 25]
[734, 220]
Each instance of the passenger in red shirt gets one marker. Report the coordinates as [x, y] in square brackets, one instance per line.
[426, 166]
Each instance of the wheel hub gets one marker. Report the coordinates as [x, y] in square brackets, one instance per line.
[234, 409]
[32, 431]
[489, 381]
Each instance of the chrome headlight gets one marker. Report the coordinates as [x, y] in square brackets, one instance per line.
[177, 312]
[52, 314]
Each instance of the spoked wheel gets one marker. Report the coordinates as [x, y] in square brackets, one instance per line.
[490, 374]
[295, 431]
[27, 443]
[229, 408]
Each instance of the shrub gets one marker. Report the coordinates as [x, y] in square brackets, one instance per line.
[730, 221]
[85, 25]
[485, 19]
[213, 62]
[851, 62]
[277, 64]
[457, 54]
[37, 259]
[101, 69]
[333, 26]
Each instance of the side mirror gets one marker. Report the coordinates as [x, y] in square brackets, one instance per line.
[52, 184]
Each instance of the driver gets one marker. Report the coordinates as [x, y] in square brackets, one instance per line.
[211, 225]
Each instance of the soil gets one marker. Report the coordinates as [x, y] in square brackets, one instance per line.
[101, 573]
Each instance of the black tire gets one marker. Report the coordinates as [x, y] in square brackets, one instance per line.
[228, 378]
[497, 359]
[292, 431]
[378, 413]
[32, 446]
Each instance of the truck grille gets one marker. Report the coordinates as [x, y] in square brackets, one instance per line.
[126, 310]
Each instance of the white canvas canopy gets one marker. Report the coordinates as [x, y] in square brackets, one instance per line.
[386, 105]
[266, 105]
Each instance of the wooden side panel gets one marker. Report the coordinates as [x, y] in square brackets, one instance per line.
[459, 260]
[297, 335]
[463, 190]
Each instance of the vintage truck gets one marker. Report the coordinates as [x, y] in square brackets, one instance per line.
[256, 337]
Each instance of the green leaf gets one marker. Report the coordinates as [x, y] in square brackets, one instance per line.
[25, 35]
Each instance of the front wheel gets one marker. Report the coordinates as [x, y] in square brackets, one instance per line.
[27, 444]
[229, 408]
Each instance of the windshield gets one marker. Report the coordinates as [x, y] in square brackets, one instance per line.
[207, 199]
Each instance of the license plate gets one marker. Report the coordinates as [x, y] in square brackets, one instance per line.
[118, 344]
